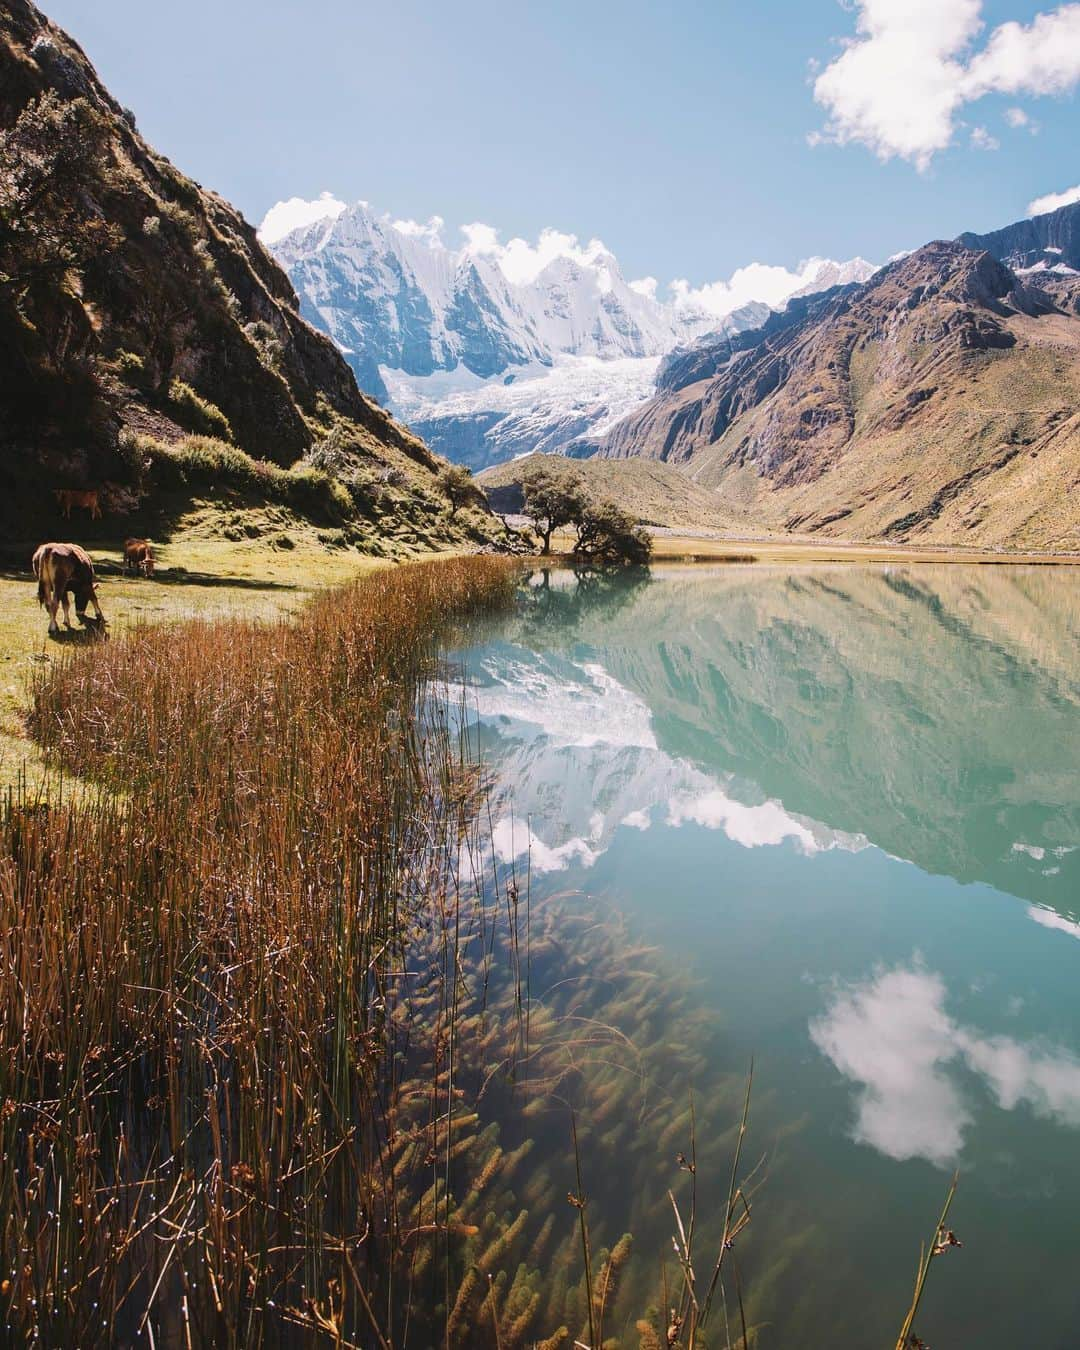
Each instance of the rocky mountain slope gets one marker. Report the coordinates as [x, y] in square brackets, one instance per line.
[940, 400]
[130, 297]
[485, 365]
[1042, 243]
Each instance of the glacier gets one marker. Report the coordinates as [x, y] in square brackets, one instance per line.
[491, 351]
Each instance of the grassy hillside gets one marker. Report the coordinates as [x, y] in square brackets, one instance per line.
[653, 492]
[139, 310]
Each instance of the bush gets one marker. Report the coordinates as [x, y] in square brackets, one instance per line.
[266, 342]
[197, 413]
[310, 489]
[609, 537]
[137, 453]
[204, 459]
[131, 368]
[456, 485]
[339, 450]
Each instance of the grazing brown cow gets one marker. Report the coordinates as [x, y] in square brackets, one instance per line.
[138, 557]
[88, 498]
[64, 568]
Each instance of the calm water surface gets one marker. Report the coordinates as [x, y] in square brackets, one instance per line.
[846, 803]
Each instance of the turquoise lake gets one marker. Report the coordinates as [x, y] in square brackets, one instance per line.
[844, 804]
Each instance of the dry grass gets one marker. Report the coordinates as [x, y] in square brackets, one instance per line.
[204, 578]
[196, 966]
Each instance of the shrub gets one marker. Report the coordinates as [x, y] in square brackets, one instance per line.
[137, 452]
[339, 450]
[456, 485]
[311, 489]
[209, 458]
[263, 338]
[131, 367]
[197, 413]
[608, 536]
[365, 490]
[204, 459]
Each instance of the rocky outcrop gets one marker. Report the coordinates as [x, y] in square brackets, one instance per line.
[1048, 241]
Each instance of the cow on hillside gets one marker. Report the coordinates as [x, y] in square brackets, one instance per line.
[88, 498]
[138, 557]
[62, 569]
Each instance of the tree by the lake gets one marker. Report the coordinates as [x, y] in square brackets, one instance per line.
[551, 501]
[609, 536]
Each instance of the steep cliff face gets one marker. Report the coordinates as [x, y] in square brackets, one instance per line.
[938, 400]
[1047, 241]
[174, 317]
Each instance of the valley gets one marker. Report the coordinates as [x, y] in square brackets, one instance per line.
[564, 827]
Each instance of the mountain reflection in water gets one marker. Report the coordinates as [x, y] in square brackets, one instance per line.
[845, 801]
[932, 712]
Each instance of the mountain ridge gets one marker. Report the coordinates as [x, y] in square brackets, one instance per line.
[936, 400]
[407, 311]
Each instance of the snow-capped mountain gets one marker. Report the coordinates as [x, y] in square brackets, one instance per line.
[490, 352]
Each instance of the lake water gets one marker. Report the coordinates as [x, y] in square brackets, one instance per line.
[844, 804]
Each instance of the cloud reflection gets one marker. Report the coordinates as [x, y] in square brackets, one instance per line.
[572, 724]
[892, 1035]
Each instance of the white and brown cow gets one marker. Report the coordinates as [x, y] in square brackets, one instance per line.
[63, 569]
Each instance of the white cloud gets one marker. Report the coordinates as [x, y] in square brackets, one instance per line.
[756, 281]
[1053, 201]
[645, 286]
[522, 262]
[1042, 57]
[892, 1036]
[766, 283]
[981, 139]
[1017, 117]
[429, 231]
[284, 217]
[899, 83]
[509, 844]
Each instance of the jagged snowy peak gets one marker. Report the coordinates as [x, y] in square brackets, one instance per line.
[398, 297]
[823, 273]
[564, 407]
[389, 297]
[559, 322]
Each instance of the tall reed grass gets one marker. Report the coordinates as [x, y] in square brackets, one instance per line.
[199, 961]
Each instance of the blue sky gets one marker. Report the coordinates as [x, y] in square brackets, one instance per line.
[681, 134]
